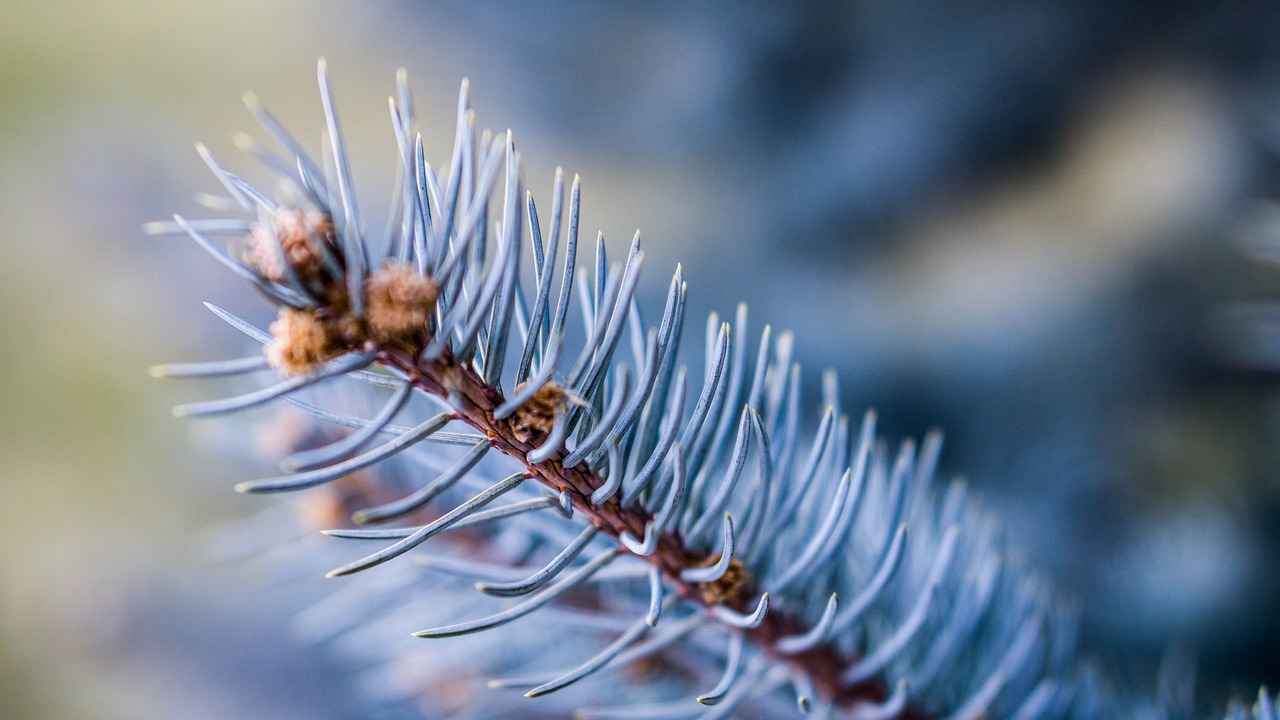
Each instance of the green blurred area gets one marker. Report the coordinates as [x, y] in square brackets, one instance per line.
[104, 494]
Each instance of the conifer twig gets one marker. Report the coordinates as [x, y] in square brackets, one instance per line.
[832, 565]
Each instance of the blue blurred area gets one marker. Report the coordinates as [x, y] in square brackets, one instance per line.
[1018, 222]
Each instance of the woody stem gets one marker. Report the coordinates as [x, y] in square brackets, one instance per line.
[475, 403]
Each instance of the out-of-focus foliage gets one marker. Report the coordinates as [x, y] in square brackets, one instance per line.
[1028, 226]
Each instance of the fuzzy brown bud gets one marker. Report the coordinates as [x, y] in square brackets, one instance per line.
[399, 303]
[532, 421]
[293, 234]
[301, 340]
[730, 585]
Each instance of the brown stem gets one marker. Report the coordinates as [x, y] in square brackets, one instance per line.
[477, 401]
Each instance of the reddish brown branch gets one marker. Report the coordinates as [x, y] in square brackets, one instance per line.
[477, 402]
[400, 302]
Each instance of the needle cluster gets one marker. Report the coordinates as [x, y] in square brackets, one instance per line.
[742, 556]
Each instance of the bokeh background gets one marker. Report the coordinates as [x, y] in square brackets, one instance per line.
[1035, 225]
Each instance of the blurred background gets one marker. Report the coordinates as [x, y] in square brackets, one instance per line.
[1034, 225]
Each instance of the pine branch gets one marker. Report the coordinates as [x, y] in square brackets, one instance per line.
[829, 565]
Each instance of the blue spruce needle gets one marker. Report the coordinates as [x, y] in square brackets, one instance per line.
[678, 528]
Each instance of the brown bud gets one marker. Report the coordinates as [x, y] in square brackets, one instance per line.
[730, 585]
[304, 339]
[399, 304]
[295, 234]
[532, 421]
